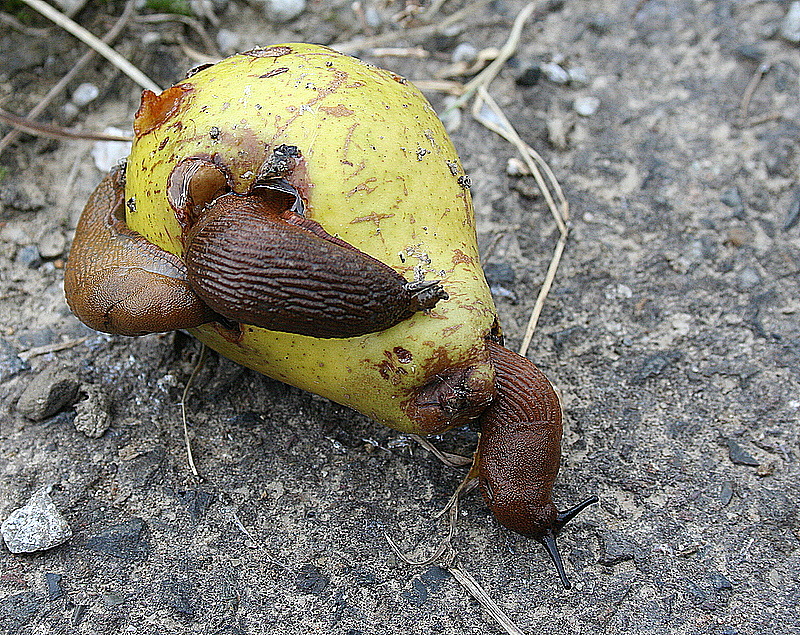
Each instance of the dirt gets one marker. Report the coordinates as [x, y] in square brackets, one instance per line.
[672, 332]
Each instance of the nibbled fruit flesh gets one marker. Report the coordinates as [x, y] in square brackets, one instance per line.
[377, 170]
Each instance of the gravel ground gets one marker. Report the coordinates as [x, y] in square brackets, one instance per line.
[672, 331]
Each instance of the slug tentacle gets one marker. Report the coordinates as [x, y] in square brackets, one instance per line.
[253, 265]
[118, 282]
[520, 450]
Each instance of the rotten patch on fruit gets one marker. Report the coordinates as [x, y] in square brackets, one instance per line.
[156, 110]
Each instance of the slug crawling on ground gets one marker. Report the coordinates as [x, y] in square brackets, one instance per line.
[305, 214]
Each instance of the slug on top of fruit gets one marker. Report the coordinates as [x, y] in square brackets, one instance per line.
[306, 215]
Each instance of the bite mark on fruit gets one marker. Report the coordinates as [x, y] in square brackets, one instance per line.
[156, 110]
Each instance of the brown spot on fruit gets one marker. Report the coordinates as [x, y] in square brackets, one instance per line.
[337, 111]
[460, 258]
[272, 51]
[452, 397]
[273, 72]
[156, 110]
[403, 356]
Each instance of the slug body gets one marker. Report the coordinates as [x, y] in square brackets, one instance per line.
[313, 218]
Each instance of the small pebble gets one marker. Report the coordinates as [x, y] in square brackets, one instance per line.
[739, 455]
[616, 548]
[557, 133]
[52, 243]
[720, 582]
[555, 73]
[749, 278]
[465, 52]
[732, 197]
[54, 590]
[85, 93]
[516, 167]
[790, 27]
[92, 413]
[51, 391]
[36, 526]
[28, 256]
[586, 106]
[578, 75]
[450, 117]
[283, 10]
[311, 580]
[69, 112]
[372, 17]
[529, 76]
[726, 492]
[228, 41]
[107, 154]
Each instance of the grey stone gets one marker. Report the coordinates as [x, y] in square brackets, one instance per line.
[93, 417]
[28, 256]
[125, 541]
[283, 10]
[739, 455]
[52, 243]
[790, 27]
[311, 580]
[10, 363]
[555, 73]
[51, 391]
[53, 582]
[36, 526]
[84, 94]
[615, 548]
[586, 106]
[228, 41]
[465, 52]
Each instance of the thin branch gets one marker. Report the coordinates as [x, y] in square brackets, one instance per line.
[72, 73]
[560, 212]
[98, 45]
[201, 358]
[30, 31]
[50, 348]
[488, 604]
[448, 458]
[485, 77]
[55, 132]
[353, 46]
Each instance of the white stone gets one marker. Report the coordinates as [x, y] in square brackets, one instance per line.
[586, 106]
[84, 94]
[107, 154]
[36, 526]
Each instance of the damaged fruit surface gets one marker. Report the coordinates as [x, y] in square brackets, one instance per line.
[353, 153]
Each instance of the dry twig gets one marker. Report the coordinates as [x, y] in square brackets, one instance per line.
[201, 358]
[59, 86]
[353, 46]
[98, 45]
[50, 348]
[539, 168]
[448, 458]
[55, 132]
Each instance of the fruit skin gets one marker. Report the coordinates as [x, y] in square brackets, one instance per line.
[377, 170]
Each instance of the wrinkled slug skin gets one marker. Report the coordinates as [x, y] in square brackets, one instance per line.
[377, 170]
